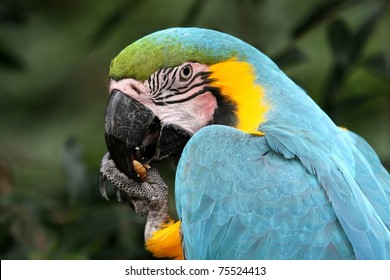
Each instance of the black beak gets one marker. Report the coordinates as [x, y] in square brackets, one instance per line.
[126, 123]
[133, 131]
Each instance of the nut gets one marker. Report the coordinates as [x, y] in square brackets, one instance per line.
[140, 169]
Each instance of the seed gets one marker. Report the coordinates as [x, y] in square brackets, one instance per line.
[139, 169]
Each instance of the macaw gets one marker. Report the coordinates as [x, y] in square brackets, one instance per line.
[262, 171]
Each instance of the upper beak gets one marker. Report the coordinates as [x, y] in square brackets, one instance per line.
[132, 131]
[127, 121]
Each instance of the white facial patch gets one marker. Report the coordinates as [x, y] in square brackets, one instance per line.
[176, 95]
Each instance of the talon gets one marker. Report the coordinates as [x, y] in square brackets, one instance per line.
[102, 186]
[105, 158]
[103, 178]
[118, 195]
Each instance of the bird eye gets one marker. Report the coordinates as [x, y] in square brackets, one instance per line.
[186, 72]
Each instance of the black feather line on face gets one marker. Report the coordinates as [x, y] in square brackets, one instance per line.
[177, 92]
[168, 77]
[162, 103]
[203, 75]
[167, 84]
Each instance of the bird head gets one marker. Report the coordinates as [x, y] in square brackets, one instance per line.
[168, 85]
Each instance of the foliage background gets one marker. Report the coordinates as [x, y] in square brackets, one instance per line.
[54, 58]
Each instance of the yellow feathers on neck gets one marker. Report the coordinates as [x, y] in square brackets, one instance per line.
[236, 81]
[166, 242]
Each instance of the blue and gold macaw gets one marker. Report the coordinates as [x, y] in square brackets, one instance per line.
[263, 172]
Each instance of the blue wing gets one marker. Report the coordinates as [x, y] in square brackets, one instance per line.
[355, 181]
[372, 177]
[239, 199]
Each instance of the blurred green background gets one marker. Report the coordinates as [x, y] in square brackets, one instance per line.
[54, 58]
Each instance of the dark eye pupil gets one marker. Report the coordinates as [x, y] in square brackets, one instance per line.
[186, 71]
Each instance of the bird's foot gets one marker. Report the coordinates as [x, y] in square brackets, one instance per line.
[148, 198]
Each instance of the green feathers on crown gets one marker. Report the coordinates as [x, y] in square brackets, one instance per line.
[171, 47]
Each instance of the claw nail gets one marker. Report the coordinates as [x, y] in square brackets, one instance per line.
[118, 195]
[102, 186]
[105, 158]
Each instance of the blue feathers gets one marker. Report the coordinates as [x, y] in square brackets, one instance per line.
[238, 198]
[252, 203]
[339, 166]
